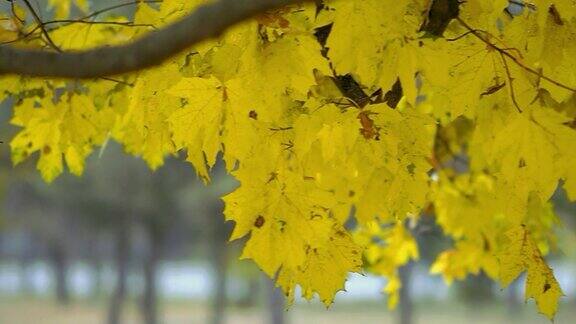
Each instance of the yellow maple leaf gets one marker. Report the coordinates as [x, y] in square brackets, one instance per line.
[522, 254]
[142, 125]
[292, 235]
[368, 41]
[197, 125]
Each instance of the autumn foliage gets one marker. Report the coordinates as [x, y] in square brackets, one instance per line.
[385, 111]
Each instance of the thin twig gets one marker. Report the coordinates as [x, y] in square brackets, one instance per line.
[19, 39]
[510, 83]
[67, 22]
[512, 57]
[14, 14]
[117, 23]
[41, 24]
[101, 11]
[461, 36]
[117, 81]
[70, 22]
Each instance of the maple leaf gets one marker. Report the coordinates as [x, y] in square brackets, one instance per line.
[142, 126]
[366, 41]
[204, 106]
[318, 253]
[522, 254]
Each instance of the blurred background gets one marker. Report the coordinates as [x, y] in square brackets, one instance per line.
[123, 244]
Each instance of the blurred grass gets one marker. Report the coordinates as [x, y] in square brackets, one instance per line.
[34, 311]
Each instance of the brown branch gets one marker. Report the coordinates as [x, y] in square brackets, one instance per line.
[206, 22]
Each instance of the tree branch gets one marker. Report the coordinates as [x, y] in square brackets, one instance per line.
[152, 49]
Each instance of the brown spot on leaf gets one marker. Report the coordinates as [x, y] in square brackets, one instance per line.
[555, 15]
[259, 221]
[411, 168]
[369, 130]
[522, 163]
[546, 287]
[253, 114]
[486, 244]
[46, 150]
[273, 176]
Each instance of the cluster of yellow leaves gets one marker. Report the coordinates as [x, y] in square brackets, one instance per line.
[388, 249]
[464, 209]
[483, 133]
[60, 128]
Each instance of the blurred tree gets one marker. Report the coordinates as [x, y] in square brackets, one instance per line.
[33, 209]
[276, 303]
[160, 216]
[205, 202]
[406, 311]
[476, 290]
